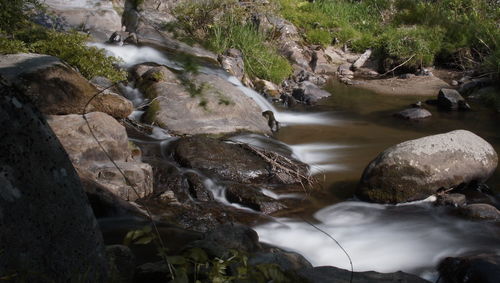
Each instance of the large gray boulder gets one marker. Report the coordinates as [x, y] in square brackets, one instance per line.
[88, 14]
[200, 104]
[90, 160]
[48, 231]
[56, 89]
[418, 168]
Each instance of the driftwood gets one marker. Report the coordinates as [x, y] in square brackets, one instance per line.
[281, 164]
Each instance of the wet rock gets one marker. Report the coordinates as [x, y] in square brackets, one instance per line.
[90, 14]
[450, 99]
[481, 211]
[56, 89]
[413, 114]
[232, 62]
[470, 85]
[197, 188]
[88, 157]
[287, 261]
[309, 93]
[418, 168]
[215, 158]
[233, 162]
[48, 227]
[252, 197]
[326, 273]
[267, 88]
[200, 104]
[273, 124]
[456, 200]
[344, 70]
[154, 272]
[122, 263]
[484, 268]
[231, 236]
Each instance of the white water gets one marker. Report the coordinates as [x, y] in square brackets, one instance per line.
[132, 55]
[319, 157]
[382, 238]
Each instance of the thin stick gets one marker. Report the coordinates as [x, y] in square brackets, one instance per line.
[337, 242]
[393, 69]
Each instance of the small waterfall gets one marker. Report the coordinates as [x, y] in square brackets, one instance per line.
[132, 55]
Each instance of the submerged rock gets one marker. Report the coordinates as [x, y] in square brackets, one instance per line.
[418, 168]
[413, 114]
[56, 89]
[48, 230]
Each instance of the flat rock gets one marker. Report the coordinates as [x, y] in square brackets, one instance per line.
[418, 168]
[413, 114]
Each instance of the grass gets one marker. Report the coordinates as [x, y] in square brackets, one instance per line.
[464, 33]
[220, 25]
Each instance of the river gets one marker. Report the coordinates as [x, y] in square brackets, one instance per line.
[338, 137]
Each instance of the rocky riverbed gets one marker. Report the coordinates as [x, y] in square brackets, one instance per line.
[200, 166]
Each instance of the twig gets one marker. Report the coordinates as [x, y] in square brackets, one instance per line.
[393, 69]
[337, 242]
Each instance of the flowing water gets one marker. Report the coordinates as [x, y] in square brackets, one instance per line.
[338, 138]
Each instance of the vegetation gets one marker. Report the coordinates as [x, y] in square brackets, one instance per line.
[460, 33]
[222, 24]
[18, 34]
[196, 265]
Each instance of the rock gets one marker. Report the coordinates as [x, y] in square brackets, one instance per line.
[454, 83]
[484, 268]
[48, 228]
[323, 274]
[407, 76]
[321, 64]
[413, 114]
[309, 93]
[455, 200]
[234, 236]
[344, 70]
[89, 14]
[267, 87]
[418, 168]
[287, 261]
[106, 204]
[215, 158]
[56, 89]
[197, 188]
[252, 197]
[90, 160]
[202, 104]
[450, 99]
[154, 272]
[360, 62]
[295, 53]
[122, 263]
[469, 86]
[232, 62]
[481, 211]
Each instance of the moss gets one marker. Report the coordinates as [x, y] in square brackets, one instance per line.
[151, 113]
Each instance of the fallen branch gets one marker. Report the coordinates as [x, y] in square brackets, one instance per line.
[398, 66]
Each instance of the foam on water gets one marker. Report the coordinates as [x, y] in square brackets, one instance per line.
[381, 238]
[320, 157]
[132, 55]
